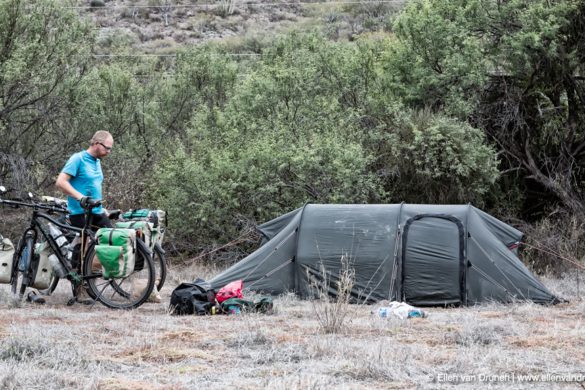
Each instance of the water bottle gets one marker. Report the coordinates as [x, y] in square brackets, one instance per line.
[58, 268]
[59, 238]
[383, 312]
[23, 261]
[71, 247]
[414, 313]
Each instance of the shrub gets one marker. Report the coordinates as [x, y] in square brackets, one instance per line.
[430, 158]
[97, 3]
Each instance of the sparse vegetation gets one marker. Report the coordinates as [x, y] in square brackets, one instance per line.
[332, 296]
[148, 348]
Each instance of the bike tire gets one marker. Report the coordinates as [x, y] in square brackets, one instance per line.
[160, 265]
[20, 280]
[119, 293]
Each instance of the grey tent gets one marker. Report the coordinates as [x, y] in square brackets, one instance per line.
[425, 255]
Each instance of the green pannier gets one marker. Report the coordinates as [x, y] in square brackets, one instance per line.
[158, 218]
[143, 230]
[116, 251]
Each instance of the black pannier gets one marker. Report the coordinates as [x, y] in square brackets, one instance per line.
[192, 298]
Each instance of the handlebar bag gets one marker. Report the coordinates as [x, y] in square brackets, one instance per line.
[144, 230]
[6, 255]
[116, 251]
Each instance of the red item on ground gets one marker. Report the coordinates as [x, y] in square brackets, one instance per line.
[230, 290]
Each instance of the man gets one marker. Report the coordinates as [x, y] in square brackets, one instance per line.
[81, 178]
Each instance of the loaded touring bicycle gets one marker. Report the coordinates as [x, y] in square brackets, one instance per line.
[112, 265]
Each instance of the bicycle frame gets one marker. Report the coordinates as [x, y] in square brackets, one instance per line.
[37, 226]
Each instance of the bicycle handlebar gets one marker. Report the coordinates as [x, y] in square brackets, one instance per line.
[52, 208]
[88, 203]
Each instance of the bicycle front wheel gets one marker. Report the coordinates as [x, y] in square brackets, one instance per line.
[128, 292]
[23, 267]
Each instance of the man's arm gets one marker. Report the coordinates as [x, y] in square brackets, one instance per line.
[64, 185]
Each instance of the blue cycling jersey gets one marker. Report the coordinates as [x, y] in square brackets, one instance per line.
[86, 177]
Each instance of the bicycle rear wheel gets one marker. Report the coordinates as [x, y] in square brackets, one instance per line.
[120, 293]
[160, 265]
[23, 259]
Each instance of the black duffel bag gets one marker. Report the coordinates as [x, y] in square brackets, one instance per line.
[192, 298]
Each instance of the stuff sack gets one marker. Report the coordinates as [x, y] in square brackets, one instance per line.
[192, 298]
[139, 214]
[230, 290]
[143, 230]
[238, 305]
[44, 269]
[116, 251]
[6, 258]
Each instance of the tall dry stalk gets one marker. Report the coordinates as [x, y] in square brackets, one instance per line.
[332, 312]
[226, 7]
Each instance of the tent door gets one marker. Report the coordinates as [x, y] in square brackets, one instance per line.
[432, 261]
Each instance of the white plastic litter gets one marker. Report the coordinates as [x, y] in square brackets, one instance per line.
[401, 310]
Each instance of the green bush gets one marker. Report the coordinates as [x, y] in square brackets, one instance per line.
[207, 193]
[436, 159]
[310, 123]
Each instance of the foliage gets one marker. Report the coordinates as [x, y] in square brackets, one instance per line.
[554, 245]
[513, 69]
[437, 60]
[43, 57]
[306, 124]
[222, 141]
[432, 158]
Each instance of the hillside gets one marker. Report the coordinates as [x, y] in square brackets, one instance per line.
[163, 26]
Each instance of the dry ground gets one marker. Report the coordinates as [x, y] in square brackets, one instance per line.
[54, 346]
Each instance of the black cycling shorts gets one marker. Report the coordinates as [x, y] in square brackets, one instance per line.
[97, 221]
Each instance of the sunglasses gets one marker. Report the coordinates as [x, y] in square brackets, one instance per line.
[108, 148]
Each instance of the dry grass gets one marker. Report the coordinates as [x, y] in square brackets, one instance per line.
[55, 346]
[332, 313]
